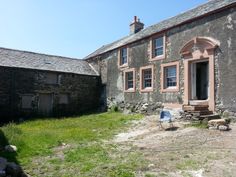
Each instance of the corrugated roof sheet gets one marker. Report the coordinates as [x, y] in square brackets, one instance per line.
[197, 12]
[31, 60]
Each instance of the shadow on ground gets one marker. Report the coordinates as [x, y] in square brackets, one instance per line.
[13, 167]
[172, 129]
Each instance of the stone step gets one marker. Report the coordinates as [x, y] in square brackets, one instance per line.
[200, 113]
[198, 102]
[210, 117]
[195, 108]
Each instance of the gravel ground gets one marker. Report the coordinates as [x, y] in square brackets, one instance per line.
[186, 151]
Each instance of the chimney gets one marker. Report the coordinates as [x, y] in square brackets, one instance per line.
[136, 26]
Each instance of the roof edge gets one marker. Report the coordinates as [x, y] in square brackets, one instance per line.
[182, 23]
[49, 55]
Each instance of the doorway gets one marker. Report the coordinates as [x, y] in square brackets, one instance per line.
[199, 71]
[45, 103]
[200, 80]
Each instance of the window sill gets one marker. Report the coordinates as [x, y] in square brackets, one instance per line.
[150, 89]
[161, 57]
[129, 90]
[170, 89]
[123, 66]
[52, 84]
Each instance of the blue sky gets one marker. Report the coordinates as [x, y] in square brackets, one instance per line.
[75, 28]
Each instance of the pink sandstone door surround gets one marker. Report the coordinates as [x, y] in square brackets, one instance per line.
[199, 51]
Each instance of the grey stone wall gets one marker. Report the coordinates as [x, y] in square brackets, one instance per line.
[220, 26]
[83, 92]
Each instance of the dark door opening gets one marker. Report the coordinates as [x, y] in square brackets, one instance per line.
[200, 80]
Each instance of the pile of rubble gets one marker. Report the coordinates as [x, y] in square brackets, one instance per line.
[10, 169]
[139, 107]
[219, 124]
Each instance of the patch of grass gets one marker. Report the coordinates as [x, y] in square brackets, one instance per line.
[187, 164]
[114, 108]
[151, 175]
[197, 124]
[88, 155]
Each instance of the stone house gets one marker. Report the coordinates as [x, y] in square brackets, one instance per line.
[187, 61]
[35, 84]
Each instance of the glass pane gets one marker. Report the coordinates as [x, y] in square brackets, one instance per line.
[124, 52]
[124, 60]
[130, 84]
[171, 71]
[159, 51]
[159, 42]
[123, 56]
[130, 75]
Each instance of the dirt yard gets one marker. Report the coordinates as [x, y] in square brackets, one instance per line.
[187, 151]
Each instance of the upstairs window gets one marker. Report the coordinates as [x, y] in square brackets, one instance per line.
[129, 80]
[158, 47]
[123, 59]
[146, 78]
[53, 78]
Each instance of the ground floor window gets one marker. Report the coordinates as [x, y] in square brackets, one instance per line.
[170, 76]
[63, 98]
[26, 101]
[129, 80]
[146, 81]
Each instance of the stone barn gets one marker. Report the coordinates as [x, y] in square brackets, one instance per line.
[187, 61]
[35, 84]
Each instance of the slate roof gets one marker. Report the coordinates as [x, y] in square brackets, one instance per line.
[209, 7]
[31, 60]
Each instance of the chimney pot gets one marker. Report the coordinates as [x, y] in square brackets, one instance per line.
[136, 25]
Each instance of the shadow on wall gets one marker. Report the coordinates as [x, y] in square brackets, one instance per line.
[9, 163]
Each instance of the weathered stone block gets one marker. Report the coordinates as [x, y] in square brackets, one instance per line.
[3, 164]
[216, 122]
[10, 148]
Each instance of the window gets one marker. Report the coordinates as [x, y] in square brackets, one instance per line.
[129, 80]
[170, 76]
[123, 57]
[146, 78]
[158, 47]
[51, 78]
[63, 99]
[26, 101]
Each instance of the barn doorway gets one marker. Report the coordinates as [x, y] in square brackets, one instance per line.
[45, 103]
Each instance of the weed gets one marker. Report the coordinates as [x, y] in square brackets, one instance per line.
[187, 164]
